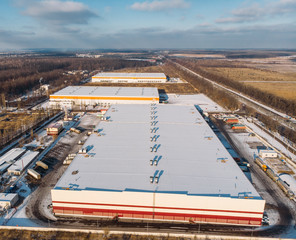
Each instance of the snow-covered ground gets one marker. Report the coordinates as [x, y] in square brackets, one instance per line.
[250, 145]
[20, 217]
[237, 93]
[204, 102]
[43, 105]
[269, 139]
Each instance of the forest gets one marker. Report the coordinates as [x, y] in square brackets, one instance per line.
[20, 75]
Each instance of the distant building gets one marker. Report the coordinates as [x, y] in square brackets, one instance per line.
[114, 77]
[104, 96]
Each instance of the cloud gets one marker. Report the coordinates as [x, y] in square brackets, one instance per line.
[256, 12]
[207, 36]
[283, 7]
[15, 39]
[211, 36]
[159, 5]
[56, 13]
[204, 24]
[200, 16]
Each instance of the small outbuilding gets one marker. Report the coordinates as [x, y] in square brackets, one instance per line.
[268, 154]
[8, 200]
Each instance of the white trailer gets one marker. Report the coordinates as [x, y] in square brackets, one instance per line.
[34, 174]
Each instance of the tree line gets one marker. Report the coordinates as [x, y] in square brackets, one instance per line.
[285, 105]
[230, 101]
[19, 75]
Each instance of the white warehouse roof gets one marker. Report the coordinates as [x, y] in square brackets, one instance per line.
[11, 155]
[23, 162]
[115, 92]
[130, 75]
[192, 160]
[8, 197]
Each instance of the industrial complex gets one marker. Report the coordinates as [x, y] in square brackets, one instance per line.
[155, 162]
[116, 77]
[112, 158]
[104, 96]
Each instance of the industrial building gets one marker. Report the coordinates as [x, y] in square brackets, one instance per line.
[18, 166]
[104, 96]
[116, 77]
[54, 129]
[157, 163]
[8, 200]
[8, 158]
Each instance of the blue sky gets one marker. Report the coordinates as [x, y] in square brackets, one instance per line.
[147, 24]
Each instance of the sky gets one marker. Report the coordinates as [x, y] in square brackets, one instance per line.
[122, 24]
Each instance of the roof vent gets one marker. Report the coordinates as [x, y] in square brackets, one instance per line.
[155, 148]
[153, 123]
[151, 179]
[155, 160]
[154, 130]
[155, 178]
[154, 138]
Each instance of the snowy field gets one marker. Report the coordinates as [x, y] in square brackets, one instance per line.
[205, 103]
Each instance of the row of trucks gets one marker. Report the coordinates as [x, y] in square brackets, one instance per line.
[75, 130]
[69, 158]
[33, 173]
[278, 179]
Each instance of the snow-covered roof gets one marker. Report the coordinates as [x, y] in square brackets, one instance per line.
[192, 160]
[86, 91]
[290, 181]
[129, 75]
[7, 197]
[266, 151]
[204, 103]
[11, 155]
[23, 161]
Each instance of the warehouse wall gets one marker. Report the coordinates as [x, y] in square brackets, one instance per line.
[129, 80]
[158, 206]
[70, 102]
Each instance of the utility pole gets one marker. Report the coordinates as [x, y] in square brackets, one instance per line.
[3, 100]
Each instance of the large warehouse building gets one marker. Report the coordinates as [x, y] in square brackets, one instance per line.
[115, 77]
[161, 163]
[84, 95]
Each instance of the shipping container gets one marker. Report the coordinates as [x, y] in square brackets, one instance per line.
[238, 127]
[34, 174]
[42, 164]
[54, 129]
